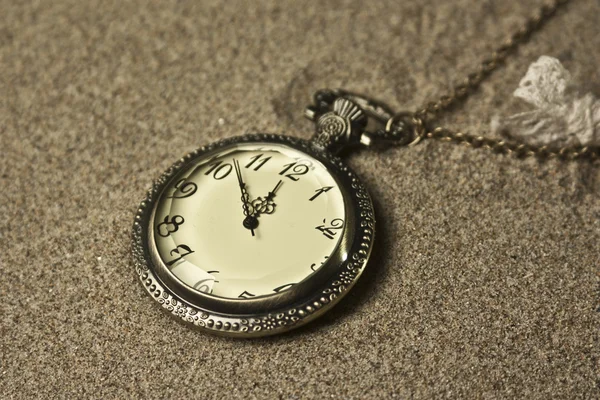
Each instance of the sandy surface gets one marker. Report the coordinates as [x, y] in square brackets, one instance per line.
[485, 279]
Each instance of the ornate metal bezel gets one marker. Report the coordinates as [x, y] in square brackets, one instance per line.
[265, 315]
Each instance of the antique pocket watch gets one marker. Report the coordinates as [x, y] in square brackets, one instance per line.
[258, 234]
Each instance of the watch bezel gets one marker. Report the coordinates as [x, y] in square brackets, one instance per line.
[270, 314]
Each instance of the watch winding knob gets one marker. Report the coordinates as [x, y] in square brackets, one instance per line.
[342, 125]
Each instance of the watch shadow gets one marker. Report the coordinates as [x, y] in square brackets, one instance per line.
[373, 274]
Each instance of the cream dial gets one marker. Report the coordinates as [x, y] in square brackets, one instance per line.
[254, 230]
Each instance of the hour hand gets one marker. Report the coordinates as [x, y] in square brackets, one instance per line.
[266, 205]
[275, 189]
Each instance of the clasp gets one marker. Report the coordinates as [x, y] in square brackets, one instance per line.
[344, 119]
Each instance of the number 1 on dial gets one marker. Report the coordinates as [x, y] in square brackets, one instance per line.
[321, 191]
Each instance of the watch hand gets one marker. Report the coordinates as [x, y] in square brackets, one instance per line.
[275, 189]
[250, 222]
[265, 205]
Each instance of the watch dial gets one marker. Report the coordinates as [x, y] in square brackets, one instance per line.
[250, 220]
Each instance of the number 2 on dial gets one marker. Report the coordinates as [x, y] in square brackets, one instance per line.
[331, 230]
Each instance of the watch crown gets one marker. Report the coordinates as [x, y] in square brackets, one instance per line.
[341, 126]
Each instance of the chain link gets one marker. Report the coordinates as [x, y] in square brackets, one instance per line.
[474, 79]
[513, 148]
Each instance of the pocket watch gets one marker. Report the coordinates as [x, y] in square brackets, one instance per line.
[259, 234]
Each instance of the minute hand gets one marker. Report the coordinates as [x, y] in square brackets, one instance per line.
[250, 222]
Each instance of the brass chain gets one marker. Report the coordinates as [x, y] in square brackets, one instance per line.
[474, 79]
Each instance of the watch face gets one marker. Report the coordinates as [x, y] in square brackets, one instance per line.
[249, 220]
[253, 235]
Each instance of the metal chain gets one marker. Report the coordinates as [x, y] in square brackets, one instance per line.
[488, 65]
[473, 80]
[515, 148]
